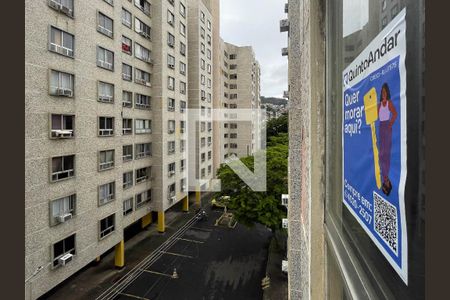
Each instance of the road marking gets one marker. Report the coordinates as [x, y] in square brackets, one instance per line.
[193, 241]
[157, 273]
[133, 296]
[177, 254]
[201, 229]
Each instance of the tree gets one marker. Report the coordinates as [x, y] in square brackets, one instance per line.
[276, 126]
[251, 207]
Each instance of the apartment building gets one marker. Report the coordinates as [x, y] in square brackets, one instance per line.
[334, 250]
[240, 86]
[201, 65]
[106, 87]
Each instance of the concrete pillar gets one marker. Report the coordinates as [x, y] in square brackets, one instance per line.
[146, 220]
[161, 221]
[119, 255]
[186, 204]
[198, 197]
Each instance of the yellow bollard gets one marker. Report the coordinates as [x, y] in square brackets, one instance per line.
[161, 224]
[119, 257]
[186, 204]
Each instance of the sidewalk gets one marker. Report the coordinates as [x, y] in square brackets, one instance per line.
[278, 289]
[92, 280]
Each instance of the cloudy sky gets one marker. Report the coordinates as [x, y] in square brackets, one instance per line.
[257, 23]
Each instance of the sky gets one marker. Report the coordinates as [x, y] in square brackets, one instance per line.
[256, 23]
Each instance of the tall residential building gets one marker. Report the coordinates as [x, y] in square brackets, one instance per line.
[106, 87]
[200, 53]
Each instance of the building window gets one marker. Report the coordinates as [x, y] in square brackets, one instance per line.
[182, 165]
[203, 171]
[110, 2]
[127, 72]
[202, 48]
[171, 83]
[128, 206]
[171, 126]
[171, 104]
[182, 10]
[62, 209]
[127, 126]
[203, 142]
[106, 193]
[61, 42]
[394, 11]
[208, 24]
[233, 67]
[142, 28]
[209, 169]
[127, 153]
[209, 155]
[106, 160]
[105, 58]
[105, 92]
[143, 150]
[62, 126]
[182, 106]
[202, 110]
[170, 61]
[142, 77]
[202, 126]
[233, 145]
[182, 68]
[182, 49]
[171, 168]
[143, 174]
[107, 226]
[170, 40]
[182, 126]
[64, 6]
[182, 145]
[208, 39]
[142, 53]
[209, 97]
[143, 5]
[127, 180]
[127, 99]
[142, 101]
[233, 96]
[233, 86]
[105, 126]
[233, 76]
[182, 87]
[143, 126]
[62, 248]
[209, 69]
[104, 25]
[126, 18]
[208, 53]
[209, 141]
[63, 167]
[171, 190]
[202, 16]
[170, 18]
[203, 157]
[202, 63]
[126, 45]
[209, 83]
[61, 84]
[202, 32]
[143, 198]
[182, 29]
[171, 147]
[233, 56]
[183, 185]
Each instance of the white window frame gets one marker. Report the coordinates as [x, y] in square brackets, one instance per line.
[108, 195]
[142, 28]
[127, 206]
[142, 154]
[60, 48]
[103, 88]
[129, 103]
[142, 77]
[62, 131]
[109, 32]
[128, 156]
[70, 173]
[142, 101]
[145, 129]
[106, 165]
[102, 58]
[145, 177]
[60, 88]
[66, 205]
[105, 131]
[109, 229]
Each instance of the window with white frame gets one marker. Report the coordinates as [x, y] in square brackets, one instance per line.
[202, 63]
[171, 61]
[208, 53]
[107, 226]
[142, 53]
[182, 49]
[143, 5]
[203, 173]
[143, 150]
[233, 145]
[127, 72]
[233, 56]
[61, 83]
[61, 42]
[127, 153]
[182, 29]
[106, 193]
[126, 45]
[171, 168]
[208, 39]
[209, 97]
[64, 6]
[182, 145]
[62, 126]
[142, 28]
[233, 67]
[171, 104]
[170, 18]
[209, 83]
[105, 25]
[105, 58]
[182, 106]
[63, 167]
[143, 198]
[126, 18]
[61, 209]
[203, 142]
[209, 126]
[183, 185]
[182, 87]
[127, 180]
[171, 147]
[105, 92]
[127, 126]
[106, 126]
[142, 77]
[209, 141]
[182, 10]
[105, 160]
[171, 190]
[61, 248]
[143, 126]
[171, 126]
[170, 40]
[143, 101]
[182, 126]
[127, 99]
[182, 68]
[202, 110]
[203, 157]
[209, 69]
[171, 83]
[209, 25]
[143, 174]
[128, 206]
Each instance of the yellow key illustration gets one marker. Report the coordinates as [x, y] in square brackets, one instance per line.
[371, 112]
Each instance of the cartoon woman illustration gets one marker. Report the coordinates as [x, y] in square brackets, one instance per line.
[387, 116]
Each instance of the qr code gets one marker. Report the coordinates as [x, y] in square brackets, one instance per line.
[385, 221]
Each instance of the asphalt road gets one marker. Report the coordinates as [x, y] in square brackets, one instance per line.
[212, 262]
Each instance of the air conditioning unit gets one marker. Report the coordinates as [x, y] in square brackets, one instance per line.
[62, 133]
[172, 199]
[105, 98]
[284, 266]
[64, 92]
[284, 223]
[62, 261]
[148, 84]
[285, 199]
[66, 10]
[65, 217]
[54, 4]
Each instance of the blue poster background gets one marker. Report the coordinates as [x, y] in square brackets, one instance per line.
[358, 169]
